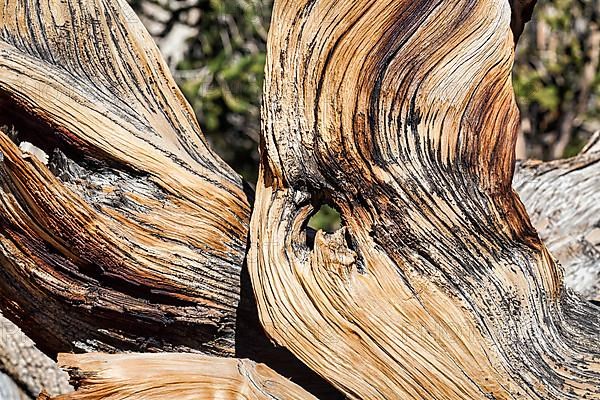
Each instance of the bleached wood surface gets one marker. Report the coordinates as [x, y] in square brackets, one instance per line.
[563, 199]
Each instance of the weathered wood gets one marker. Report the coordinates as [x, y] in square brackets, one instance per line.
[120, 230]
[563, 199]
[133, 237]
[401, 114]
[175, 376]
[26, 367]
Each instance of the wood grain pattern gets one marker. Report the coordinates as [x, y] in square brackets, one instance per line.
[133, 236]
[401, 114]
[170, 376]
[121, 230]
[26, 367]
[563, 199]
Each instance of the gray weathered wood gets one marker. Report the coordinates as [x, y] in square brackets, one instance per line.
[563, 199]
[29, 369]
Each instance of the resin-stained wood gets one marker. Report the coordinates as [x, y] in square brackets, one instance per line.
[120, 230]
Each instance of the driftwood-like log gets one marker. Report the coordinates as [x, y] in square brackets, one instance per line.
[132, 237]
[563, 199]
[401, 114]
[181, 376]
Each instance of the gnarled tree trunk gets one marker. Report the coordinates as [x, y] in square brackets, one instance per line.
[122, 231]
[402, 115]
[118, 232]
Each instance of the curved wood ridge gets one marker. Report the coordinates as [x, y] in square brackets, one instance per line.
[401, 114]
[563, 199]
[133, 235]
[175, 376]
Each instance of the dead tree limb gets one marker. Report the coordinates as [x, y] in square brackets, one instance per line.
[563, 199]
[134, 234]
[9, 390]
[402, 116]
[186, 376]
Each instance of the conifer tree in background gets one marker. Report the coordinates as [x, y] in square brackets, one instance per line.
[217, 51]
[557, 77]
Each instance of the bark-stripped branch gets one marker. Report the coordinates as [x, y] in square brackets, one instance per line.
[401, 114]
[10, 390]
[133, 236]
[180, 376]
[563, 200]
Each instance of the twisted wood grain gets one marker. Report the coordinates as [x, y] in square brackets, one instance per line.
[401, 114]
[133, 236]
[120, 229]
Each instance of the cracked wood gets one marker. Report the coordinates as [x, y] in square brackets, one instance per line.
[402, 115]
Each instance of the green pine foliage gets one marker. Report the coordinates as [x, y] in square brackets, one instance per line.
[554, 89]
[226, 62]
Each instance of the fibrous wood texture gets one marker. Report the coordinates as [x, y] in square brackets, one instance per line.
[182, 376]
[122, 231]
[26, 367]
[563, 200]
[401, 114]
[134, 233]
